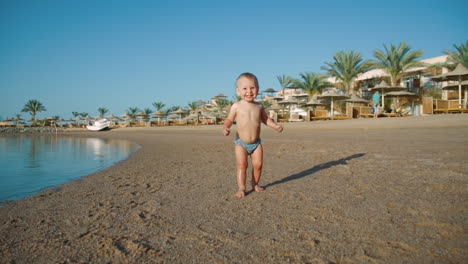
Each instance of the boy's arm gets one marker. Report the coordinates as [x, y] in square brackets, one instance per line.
[269, 122]
[229, 120]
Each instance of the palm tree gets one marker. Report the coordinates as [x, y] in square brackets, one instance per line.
[284, 81]
[192, 107]
[312, 83]
[102, 111]
[75, 115]
[174, 108]
[132, 113]
[145, 114]
[346, 67]
[158, 105]
[222, 104]
[85, 115]
[33, 107]
[395, 60]
[17, 118]
[266, 104]
[460, 56]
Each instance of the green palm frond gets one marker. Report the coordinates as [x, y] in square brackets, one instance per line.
[312, 82]
[395, 60]
[460, 56]
[102, 111]
[132, 113]
[222, 103]
[284, 81]
[346, 67]
[192, 106]
[33, 107]
[158, 105]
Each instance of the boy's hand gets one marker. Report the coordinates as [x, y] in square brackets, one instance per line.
[279, 128]
[226, 131]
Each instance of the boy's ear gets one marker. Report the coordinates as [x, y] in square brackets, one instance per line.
[237, 92]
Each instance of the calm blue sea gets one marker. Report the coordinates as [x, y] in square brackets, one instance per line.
[29, 164]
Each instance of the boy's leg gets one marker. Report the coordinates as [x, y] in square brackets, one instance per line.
[257, 164]
[241, 164]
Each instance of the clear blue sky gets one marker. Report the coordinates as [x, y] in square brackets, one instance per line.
[82, 55]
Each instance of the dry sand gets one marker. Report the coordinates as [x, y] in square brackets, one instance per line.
[392, 190]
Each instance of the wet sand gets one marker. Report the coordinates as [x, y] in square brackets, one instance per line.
[391, 190]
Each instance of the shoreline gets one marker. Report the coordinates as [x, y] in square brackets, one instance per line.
[369, 191]
[364, 123]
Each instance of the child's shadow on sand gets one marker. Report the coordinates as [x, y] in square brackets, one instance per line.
[315, 169]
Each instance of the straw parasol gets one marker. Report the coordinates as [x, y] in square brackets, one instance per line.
[113, 118]
[332, 96]
[397, 94]
[180, 111]
[290, 101]
[354, 99]
[454, 86]
[17, 119]
[158, 114]
[302, 97]
[459, 74]
[314, 101]
[269, 91]
[384, 86]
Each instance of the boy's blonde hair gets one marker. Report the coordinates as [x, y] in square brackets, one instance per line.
[250, 76]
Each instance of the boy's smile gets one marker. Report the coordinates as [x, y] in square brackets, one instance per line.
[247, 89]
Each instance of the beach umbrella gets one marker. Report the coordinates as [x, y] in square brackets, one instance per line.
[385, 87]
[113, 118]
[274, 108]
[158, 114]
[301, 97]
[459, 74]
[354, 99]
[180, 111]
[190, 117]
[51, 119]
[314, 101]
[16, 119]
[397, 94]
[290, 101]
[127, 118]
[269, 91]
[454, 86]
[332, 96]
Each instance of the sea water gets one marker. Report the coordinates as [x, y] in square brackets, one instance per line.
[29, 164]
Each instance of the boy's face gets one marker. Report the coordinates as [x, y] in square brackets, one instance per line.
[246, 89]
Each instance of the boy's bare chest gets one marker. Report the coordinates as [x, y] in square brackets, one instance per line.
[249, 112]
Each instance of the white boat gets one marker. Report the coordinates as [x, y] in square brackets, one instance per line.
[99, 125]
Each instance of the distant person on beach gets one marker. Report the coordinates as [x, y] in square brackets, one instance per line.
[248, 116]
[375, 99]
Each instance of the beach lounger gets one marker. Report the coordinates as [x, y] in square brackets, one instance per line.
[365, 112]
[320, 115]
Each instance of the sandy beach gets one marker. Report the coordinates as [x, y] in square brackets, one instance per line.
[389, 190]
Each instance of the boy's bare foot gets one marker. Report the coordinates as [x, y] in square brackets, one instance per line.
[257, 188]
[240, 194]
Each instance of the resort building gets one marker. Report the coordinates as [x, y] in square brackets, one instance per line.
[426, 93]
